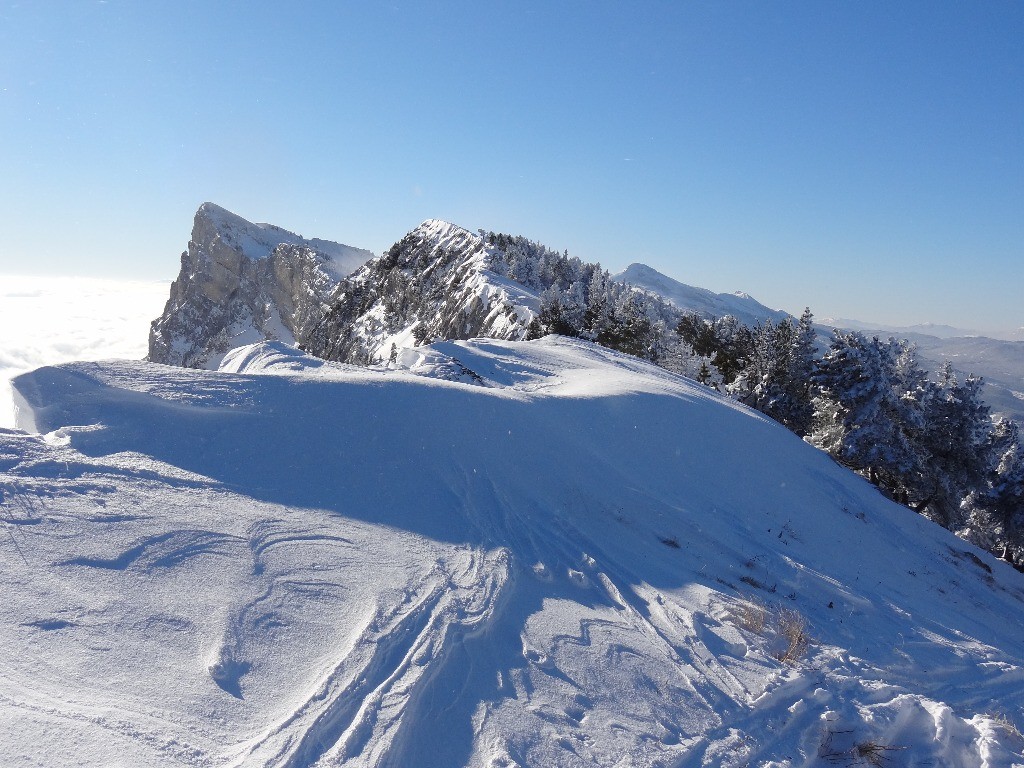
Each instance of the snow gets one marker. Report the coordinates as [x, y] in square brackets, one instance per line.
[700, 300]
[257, 241]
[568, 557]
[54, 319]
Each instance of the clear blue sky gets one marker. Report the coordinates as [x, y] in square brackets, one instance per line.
[863, 158]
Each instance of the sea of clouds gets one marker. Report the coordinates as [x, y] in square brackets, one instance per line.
[48, 320]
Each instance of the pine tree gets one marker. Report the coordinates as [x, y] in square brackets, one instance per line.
[954, 439]
[725, 341]
[861, 412]
[802, 362]
[1004, 499]
[704, 374]
[699, 334]
[554, 315]
[762, 382]
[421, 332]
[775, 377]
[735, 343]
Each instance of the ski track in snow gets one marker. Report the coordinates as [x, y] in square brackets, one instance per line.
[297, 563]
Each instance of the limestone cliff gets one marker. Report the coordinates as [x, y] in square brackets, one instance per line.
[242, 282]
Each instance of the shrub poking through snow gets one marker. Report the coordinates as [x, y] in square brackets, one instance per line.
[1003, 722]
[750, 614]
[787, 627]
[866, 752]
[791, 627]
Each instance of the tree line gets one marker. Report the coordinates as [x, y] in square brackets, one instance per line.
[928, 442]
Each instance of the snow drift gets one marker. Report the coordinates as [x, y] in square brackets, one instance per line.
[488, 553]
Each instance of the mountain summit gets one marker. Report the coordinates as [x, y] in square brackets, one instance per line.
[242, 282]
[700, 301]
[438, 281]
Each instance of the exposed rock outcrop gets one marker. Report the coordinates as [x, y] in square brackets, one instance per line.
[242, 282]
[440, 281]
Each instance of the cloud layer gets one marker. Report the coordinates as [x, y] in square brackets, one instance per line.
[48, 320]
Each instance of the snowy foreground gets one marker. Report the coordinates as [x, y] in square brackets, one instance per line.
[491, 554]
[47, 320]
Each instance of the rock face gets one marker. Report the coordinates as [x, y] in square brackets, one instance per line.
[241, 283]
[440, 281]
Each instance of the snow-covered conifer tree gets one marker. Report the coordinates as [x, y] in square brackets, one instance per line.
[954, 439]
[857, 385]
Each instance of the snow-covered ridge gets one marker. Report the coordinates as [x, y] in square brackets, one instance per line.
[440, 281]
[445, 233]
[574, 559]
[257, 241]
[699, 300]
[435, 283]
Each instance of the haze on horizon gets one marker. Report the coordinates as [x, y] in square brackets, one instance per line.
[864, 160]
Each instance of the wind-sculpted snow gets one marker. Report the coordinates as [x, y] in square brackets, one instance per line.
[485, 553]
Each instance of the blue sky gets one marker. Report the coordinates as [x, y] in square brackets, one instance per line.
[866, 159]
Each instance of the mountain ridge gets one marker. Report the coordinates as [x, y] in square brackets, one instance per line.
[241, 282]
[314, 293]
[702, 301]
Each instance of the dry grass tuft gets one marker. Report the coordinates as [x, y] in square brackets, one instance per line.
[1002, 721]
[792, 628]
[787, 626]
[861, 753]
[751, 615]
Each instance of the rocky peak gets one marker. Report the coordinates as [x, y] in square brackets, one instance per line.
[242, 282]
[435, 283]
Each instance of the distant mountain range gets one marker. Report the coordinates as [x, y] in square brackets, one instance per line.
[927, 329]
[1000, 362]
[937, 330]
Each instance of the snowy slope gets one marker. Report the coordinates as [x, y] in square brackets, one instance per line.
[701, 301]
[567, 558]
